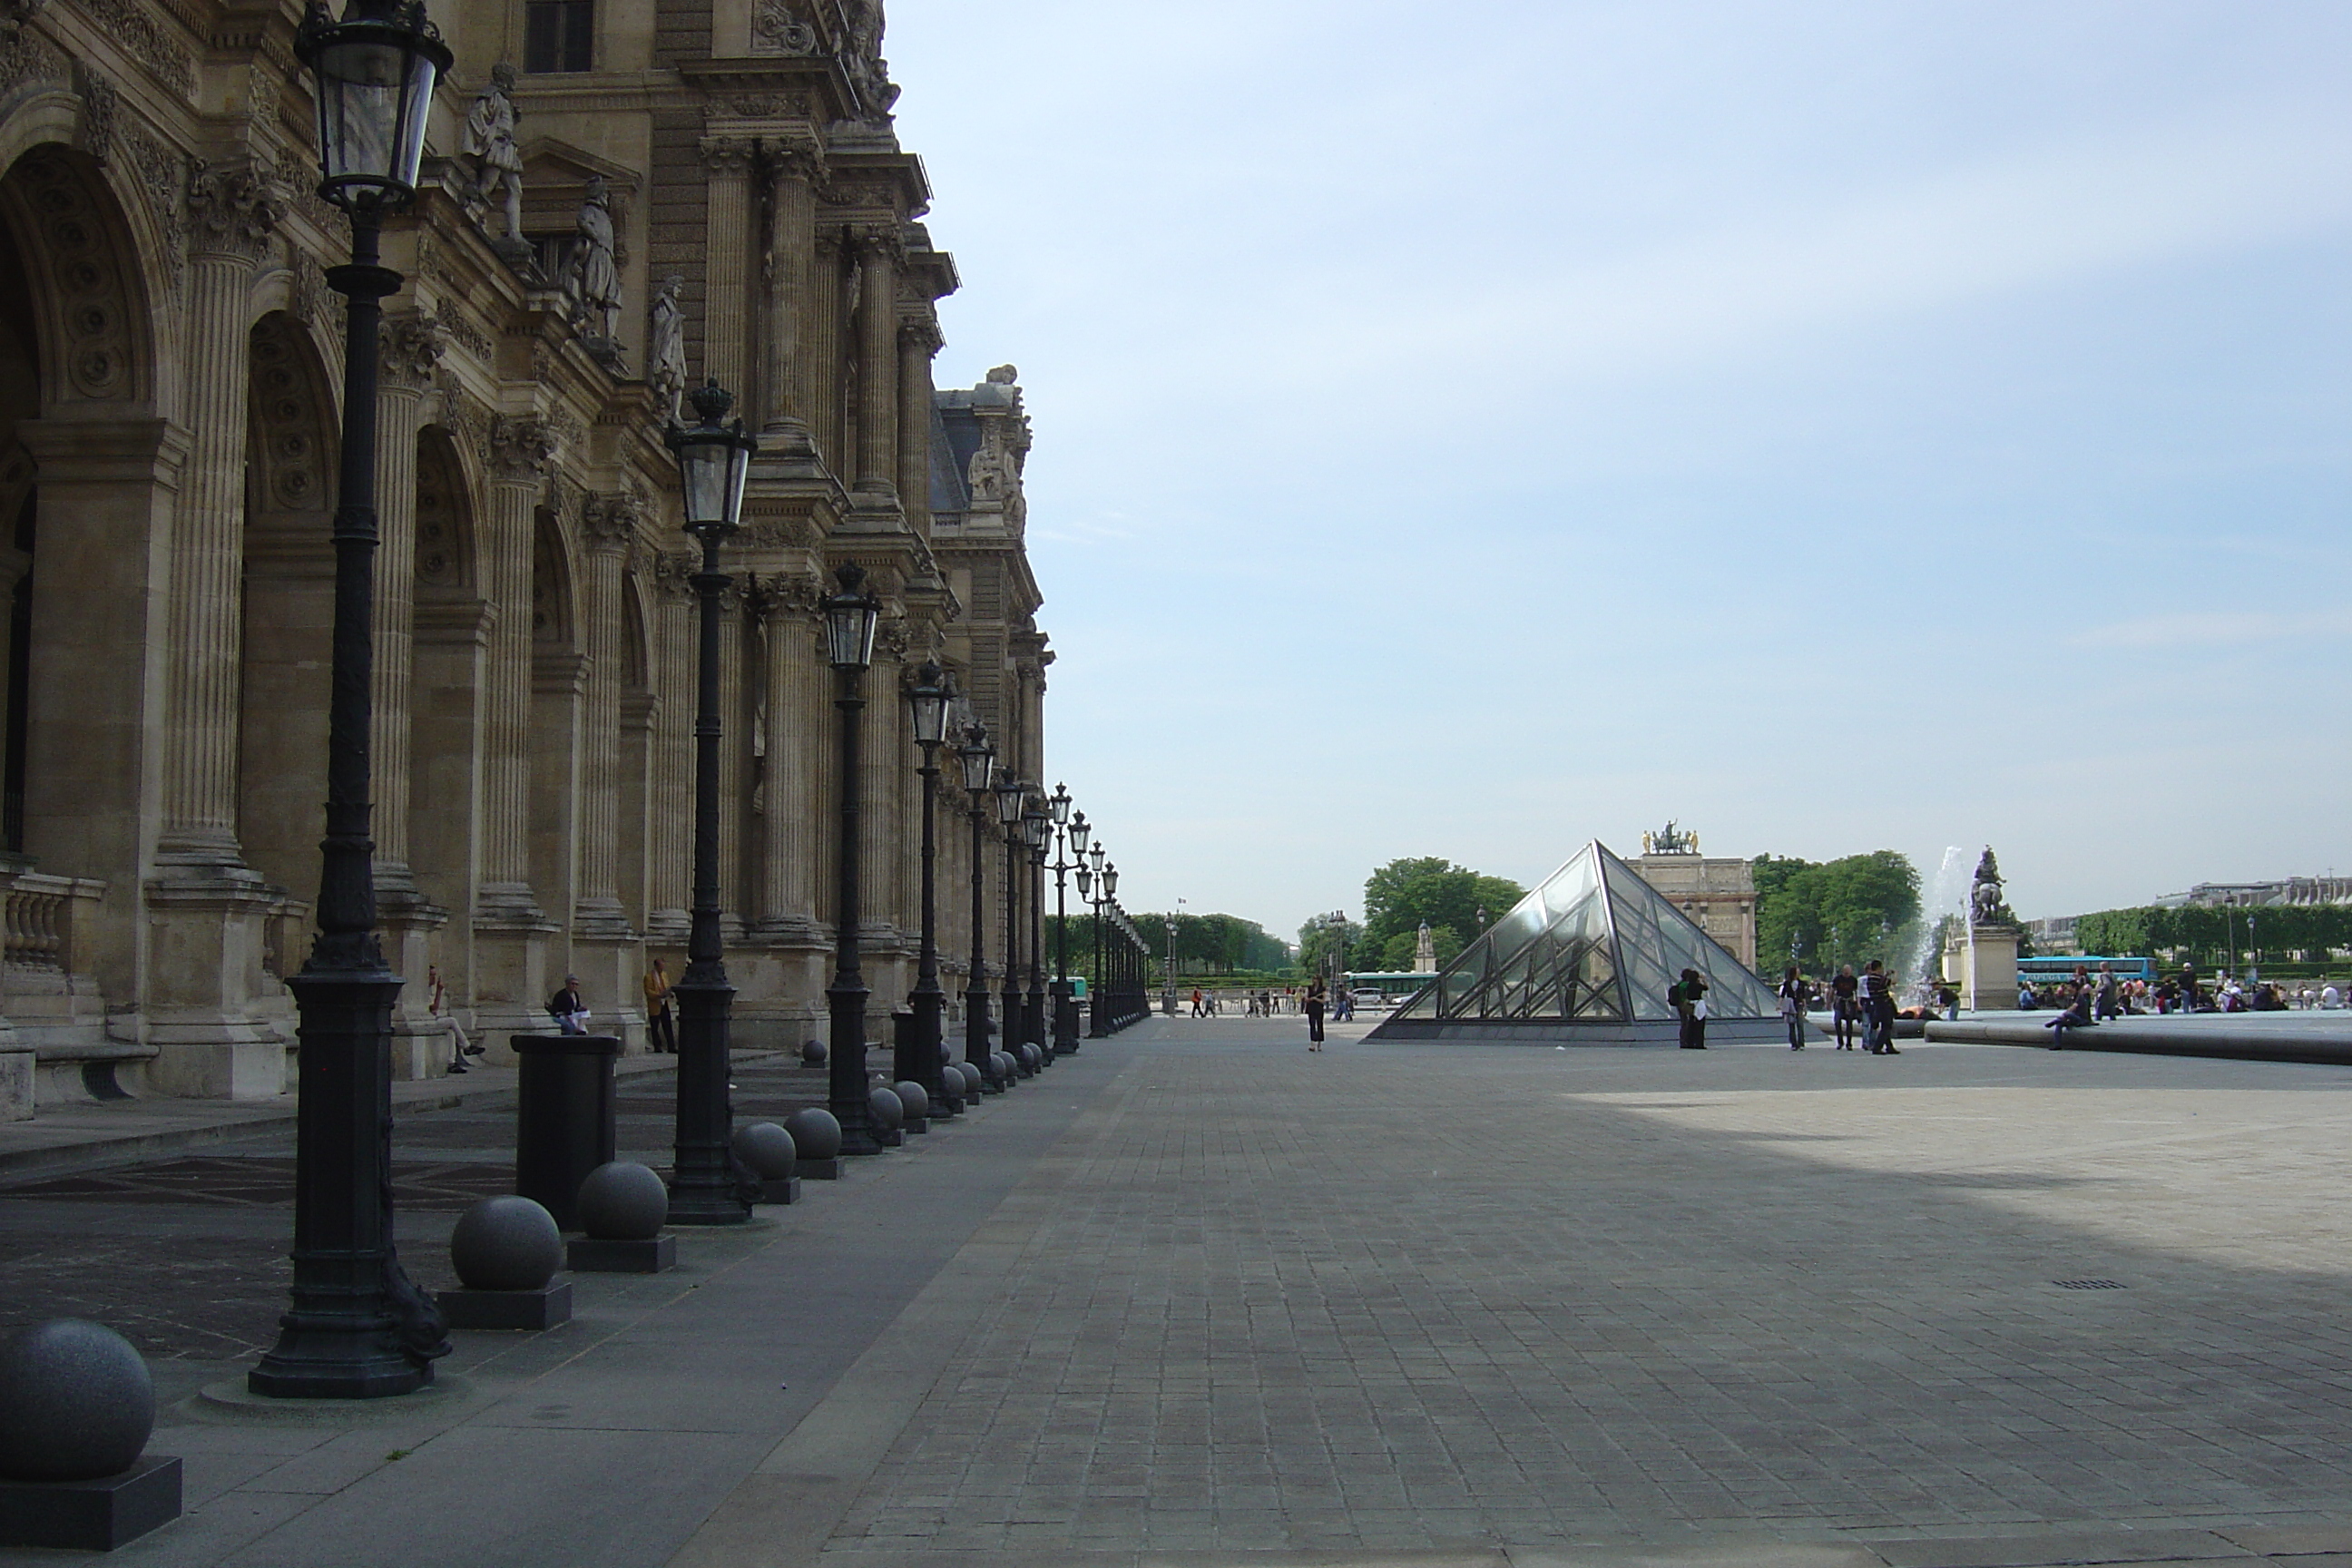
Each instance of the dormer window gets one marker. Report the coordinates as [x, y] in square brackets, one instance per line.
[559, 36]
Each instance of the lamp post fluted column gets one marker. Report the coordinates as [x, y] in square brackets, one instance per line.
[850, 617]
[1037, 1033]
[979, 760]
[1009, 795]
[713, 457]
[928, 700]
[357, 1327]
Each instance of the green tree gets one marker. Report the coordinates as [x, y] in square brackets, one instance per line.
[1404, 893]
[1848, 911]
[1314, 940]
[1398, 953]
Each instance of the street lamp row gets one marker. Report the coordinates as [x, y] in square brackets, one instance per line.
[358, 1327]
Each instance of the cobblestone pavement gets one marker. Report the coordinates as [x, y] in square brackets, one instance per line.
[1200, 1299]
[1435, 1299]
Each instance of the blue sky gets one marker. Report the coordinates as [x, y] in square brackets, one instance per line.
[1472, 430]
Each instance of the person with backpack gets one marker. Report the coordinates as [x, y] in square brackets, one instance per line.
[1687, 997]
[1314, 1010]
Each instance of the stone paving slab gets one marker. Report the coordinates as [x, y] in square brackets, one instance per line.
[1199, 1299]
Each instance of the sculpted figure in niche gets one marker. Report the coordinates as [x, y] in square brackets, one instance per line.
[991, 472]
[594, 283]
[488, 147]
[665, 345]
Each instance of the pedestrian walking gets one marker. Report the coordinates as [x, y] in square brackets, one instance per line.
[1196, 1003]
[1878, 1010]
[658, 1021]
[2107, 1004]
[1314, 1009]
[1846, 1005]
[1794, 991]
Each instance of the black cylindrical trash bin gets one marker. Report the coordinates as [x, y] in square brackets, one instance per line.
[564, 1118]
[906, 1048]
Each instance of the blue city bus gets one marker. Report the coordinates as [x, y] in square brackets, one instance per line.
[2042, 972]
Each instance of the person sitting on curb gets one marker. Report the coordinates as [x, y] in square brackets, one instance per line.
[2077, 1016]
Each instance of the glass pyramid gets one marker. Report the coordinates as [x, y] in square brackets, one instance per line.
[1586, 958]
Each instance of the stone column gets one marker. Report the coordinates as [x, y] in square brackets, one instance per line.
[510, 929]
[410, 347]
[232, 215]
[878, 250]
[786, 266]
[882, 822]
[796, 706]
[820, 366]
[670, 836]
[726, 270]
[918, 339]
[609, 523]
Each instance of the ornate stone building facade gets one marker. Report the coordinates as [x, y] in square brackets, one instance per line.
[705, 186]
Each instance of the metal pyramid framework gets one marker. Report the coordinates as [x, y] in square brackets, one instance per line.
[1586, 959]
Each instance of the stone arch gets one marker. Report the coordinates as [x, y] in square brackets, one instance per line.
[87, 277]
[288, 604]
[557, 733]
[639, 709]
[554, 584]
[446, 556]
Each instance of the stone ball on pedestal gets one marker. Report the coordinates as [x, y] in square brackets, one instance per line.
[1030, 1056]
[623, 1202]
[914, 1100]
[816, 1134]
[889, 1110]
[972, 1078]
[1007, 1069]
[768, 1149]
[506, 1244]
[77, 1401]
[812, 1053]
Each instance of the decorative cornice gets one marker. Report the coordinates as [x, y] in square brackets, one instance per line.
[727, 154]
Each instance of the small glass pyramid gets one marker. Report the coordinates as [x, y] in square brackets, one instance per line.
[1586, 959]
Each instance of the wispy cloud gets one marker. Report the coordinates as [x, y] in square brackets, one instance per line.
[2216, 628]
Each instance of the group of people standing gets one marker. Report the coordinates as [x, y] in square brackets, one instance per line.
[1866, 999]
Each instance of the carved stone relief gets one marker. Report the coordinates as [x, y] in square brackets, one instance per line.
[94, 314]
[411, 347]
[775, 30]
[232, 210]
[286, 412]
[99, 101]
[131, 26]
[520, 450]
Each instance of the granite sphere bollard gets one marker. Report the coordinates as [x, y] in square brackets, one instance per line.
[972, 1078]
[1030, 1056]
[812, 1053]
[623, 1202]
[506, 1244]
[77, 1401]
[815, 1132]
[768, 1149]
[1008, 1067]
[914, 1100]
[889, 1110]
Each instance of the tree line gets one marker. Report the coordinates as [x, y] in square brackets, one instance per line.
[2203, 933]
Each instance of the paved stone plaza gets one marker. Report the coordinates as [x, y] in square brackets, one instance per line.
[1198, 1297]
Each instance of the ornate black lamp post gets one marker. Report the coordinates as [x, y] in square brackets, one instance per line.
[1069, 852]
[850, 617]
[929, 699]
[1010, 793]
[713, 457]
[1094, 929]
[1036, 832]
[979, 761]
[358, 1329]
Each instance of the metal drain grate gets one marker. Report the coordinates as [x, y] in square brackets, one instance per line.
[2089, 1284]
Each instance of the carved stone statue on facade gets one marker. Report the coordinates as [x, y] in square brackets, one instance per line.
[861, 62]
[1984, 893]
[489, 150]
[1005, 376]
[594, 282]
[665, 345]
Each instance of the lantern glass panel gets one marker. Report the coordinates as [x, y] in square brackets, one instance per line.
[979, 763]
[849, 625]
[1080, 831]
[1008, 801]
[374, 85]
